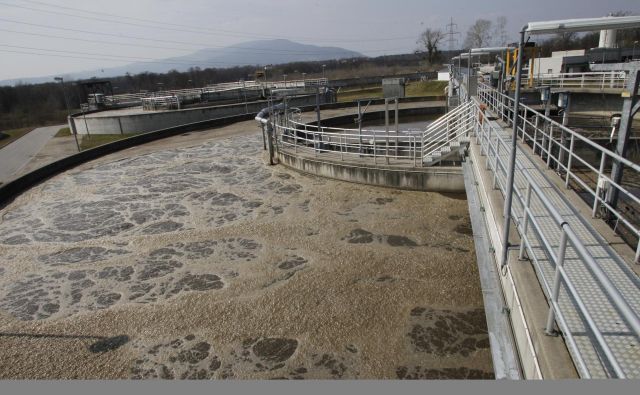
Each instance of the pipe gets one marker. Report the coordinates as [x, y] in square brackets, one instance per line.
[512, 159]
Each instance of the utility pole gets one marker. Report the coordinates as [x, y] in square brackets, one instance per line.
[451, 34]
[66, 103]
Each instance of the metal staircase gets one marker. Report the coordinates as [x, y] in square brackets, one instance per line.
[448, 136]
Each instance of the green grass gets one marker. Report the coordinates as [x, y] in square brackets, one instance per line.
[10, 136]
[425, 88]
[63, 132]
[95, 140]
[355, 94]
[413, 89]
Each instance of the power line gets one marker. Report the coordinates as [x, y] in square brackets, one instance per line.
[199, 45]
[108, 56]
[189, 29]
[91, 41]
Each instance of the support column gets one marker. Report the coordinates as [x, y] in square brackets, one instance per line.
[629, 108]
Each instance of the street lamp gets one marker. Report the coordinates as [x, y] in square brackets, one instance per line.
[633, 52]
[537, 28]
[66, 103]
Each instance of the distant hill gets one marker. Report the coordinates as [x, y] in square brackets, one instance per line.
[261, 52]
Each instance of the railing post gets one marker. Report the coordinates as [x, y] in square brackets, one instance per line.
[527, 204]
[414, 151]
[596, 197]
[550, 146]
[566, 182]
[495, 166]
[555, 292]
[535, 134]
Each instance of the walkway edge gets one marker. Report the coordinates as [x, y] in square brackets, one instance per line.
[506, 363]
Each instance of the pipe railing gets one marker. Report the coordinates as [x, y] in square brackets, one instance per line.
[492, 144]
[454, 126]
[382, 146]
[136, 98]
[588, 80]
[556, 144]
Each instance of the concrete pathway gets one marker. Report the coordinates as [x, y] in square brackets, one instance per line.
[16, 155]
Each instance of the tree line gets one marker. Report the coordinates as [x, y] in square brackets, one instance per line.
[25, 105]
[487, 33]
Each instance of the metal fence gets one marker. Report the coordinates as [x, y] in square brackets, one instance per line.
[364, 145]
[545, 223]
[135, 99]
[407, 148]
[589, 80]
[556, 144]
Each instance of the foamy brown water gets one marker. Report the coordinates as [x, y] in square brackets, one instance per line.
[203, 262]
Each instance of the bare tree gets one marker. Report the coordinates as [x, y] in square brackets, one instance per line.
[429, 41]
[500, 31]
[479, 35]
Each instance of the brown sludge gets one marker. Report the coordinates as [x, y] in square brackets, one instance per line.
[202, 262]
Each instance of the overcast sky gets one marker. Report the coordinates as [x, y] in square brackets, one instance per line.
[373, 27]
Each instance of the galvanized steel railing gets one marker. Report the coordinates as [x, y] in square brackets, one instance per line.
[492, 145]
[136, 98]
[589, 80]
[416, 148]
[449, 130]
[556, 144]
[378, 146]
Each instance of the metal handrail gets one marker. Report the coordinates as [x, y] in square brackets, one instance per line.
[561, 276]
[597, 80]
[543, 129]
[451, 127]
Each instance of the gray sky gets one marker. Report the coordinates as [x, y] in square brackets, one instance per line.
[373, 27]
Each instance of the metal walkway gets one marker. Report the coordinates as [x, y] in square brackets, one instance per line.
[602, 342]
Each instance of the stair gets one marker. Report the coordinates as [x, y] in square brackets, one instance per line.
[448, 136]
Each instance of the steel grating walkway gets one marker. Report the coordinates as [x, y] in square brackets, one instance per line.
[624, 344]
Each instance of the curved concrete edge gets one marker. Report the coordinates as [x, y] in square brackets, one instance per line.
[428, 179]
[379, 115]
[12, 189]
[147, 121]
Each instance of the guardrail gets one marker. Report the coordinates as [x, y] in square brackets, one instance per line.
[413, 148]
[492, 144]
[556, 144]
[161, 103]
[379, 146]
[192, 93]
[448, 132]
[589, 80]
[601, 80]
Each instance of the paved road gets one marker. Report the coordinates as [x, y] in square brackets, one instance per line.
[16, 155]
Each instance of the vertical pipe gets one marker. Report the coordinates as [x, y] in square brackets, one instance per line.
[360, 125]
[386, 128]
[512, 159]
[566, 182]
[495, 166]
[595, 198]
[556, 282]
[563, 142]
[550, 146]
[397, 126]
[525, 226]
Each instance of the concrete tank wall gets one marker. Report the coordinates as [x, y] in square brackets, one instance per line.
[432, 179]
[143, 122]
